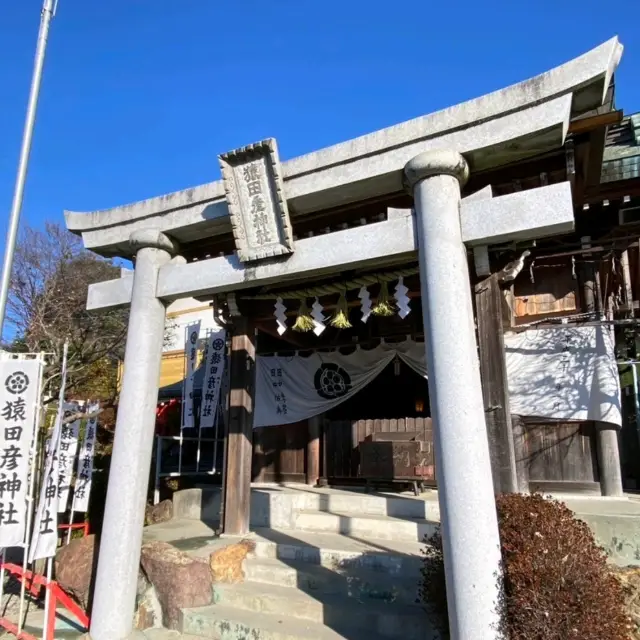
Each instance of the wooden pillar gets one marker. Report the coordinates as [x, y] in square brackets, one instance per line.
[237, 491]
[313, 450]
[609, 468]
[521, 451]
[495, 389]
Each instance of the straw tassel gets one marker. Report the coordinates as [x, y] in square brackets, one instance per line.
[340, 318]
[304, 321]
[383, 306]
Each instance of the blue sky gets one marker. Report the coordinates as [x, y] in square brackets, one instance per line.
[139, 96]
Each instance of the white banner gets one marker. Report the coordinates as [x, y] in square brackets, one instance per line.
[44, 539]
[67, 448]
[85, 462]
[19, 385]
[214, 370]
[294, 388]
[567, 373]
[191, 354]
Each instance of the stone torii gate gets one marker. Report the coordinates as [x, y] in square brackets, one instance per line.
[432, 157]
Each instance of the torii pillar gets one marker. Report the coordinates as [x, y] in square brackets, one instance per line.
[465, 488]
[119, 558]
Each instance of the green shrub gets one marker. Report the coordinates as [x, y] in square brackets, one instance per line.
[557, 585]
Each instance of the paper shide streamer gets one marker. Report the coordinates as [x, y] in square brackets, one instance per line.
[280, 313]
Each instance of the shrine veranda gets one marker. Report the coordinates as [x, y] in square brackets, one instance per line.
[410, 227]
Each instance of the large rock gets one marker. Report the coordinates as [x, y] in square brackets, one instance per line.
[75, 567]
[179, 580]
[157, 513]
[226, 563]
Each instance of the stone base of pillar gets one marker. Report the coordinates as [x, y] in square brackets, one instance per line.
[609, 460]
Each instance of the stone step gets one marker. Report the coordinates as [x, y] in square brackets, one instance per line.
[365, 526]
[378, 504]
[335, 551]
[409, 622]
[228, 623]
[276, 508]
[361, 584]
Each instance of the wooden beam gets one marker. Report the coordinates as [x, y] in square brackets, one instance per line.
[593, 165]
[612, 190]
[313, 450]
[237, 491]
[591, 123]
[495, 390]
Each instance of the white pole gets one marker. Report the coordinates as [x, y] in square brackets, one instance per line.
[30, 499]
[48, 11]
[47, 600]
[184, 396]
[156, 486]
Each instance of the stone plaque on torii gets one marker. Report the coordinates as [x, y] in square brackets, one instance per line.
[433, 156]
[257, 206]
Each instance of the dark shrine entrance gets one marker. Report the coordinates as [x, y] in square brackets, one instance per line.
[393, 406]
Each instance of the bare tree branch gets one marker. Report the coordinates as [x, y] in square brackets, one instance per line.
[80, 415]
[47, 307]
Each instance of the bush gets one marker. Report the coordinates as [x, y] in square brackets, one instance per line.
[556, 582]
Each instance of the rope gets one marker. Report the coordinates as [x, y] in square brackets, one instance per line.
[329, 289]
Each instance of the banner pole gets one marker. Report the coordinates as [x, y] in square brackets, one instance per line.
[156, 487]
[30, 499]
[4, 559]
[47, 13]
[47, 600]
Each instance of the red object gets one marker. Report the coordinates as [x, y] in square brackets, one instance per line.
[34, 583]
[76, 526]
[163, 413]
[425, 472]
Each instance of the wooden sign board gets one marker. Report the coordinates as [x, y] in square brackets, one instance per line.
[257, 205]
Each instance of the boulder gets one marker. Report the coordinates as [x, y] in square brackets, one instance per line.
[75, 565]
[226, 563]
[157, 513]
[179, 580]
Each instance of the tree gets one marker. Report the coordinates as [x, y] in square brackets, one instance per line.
[47, 307]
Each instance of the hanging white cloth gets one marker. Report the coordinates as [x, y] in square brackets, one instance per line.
[294, 388]
[565, 373]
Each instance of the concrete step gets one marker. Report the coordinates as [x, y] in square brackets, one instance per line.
[276, 506]
[365, 526]
[227, 623]
[339, 552]
[409, 622]
[376, 504]
[362, 584]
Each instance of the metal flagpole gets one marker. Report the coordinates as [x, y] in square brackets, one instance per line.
[48, 11]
